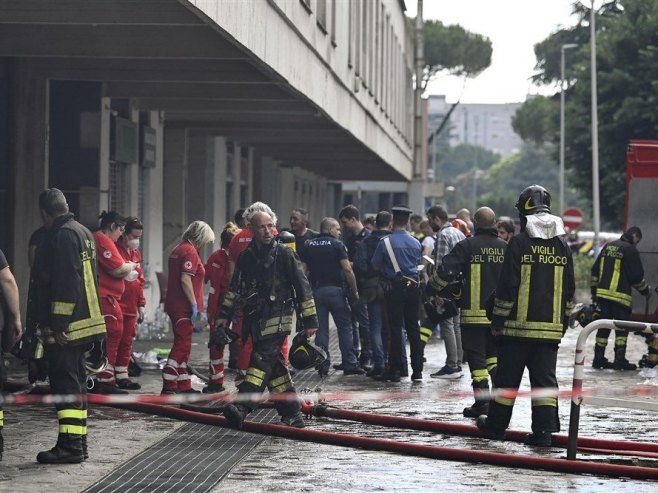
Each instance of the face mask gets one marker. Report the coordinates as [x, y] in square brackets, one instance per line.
[133, 244]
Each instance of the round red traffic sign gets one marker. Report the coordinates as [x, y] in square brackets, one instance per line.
[573, 218]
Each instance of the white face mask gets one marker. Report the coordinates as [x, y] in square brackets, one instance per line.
[133, 244]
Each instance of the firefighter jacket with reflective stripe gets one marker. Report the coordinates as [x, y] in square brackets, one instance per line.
[478, 260]
[269, 284]
[67, 299]
[617, 269]
[535, 290]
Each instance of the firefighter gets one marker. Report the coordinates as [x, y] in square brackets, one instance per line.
[112, 269]
[617, 269]
[217, 276]
[479, 260]
[132, 301]
[184, 303]
[68, 315]
[268, 284]
[530, 314]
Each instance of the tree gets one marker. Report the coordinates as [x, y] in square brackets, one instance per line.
[463, 158]
[454, 50]
[534, 120]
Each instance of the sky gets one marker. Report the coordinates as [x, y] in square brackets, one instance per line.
[514, 27]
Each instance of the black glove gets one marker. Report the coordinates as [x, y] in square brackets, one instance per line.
[221, 337]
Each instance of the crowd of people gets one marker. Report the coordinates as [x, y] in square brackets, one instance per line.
[498, 298]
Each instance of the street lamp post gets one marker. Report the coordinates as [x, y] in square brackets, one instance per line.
[595, 131]
[564, 47]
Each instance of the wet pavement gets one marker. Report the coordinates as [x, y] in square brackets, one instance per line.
[117, 436]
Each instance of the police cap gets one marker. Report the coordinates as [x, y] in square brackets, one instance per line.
[401, 210]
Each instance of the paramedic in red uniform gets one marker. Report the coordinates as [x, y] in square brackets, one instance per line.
[217, 276]
[132, 302]
[112, 269]
[184, 303]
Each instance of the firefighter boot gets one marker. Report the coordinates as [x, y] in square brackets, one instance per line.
[600, 361]
[539, 439]
[621, 363]
[489, 430]
[481, 405]
[68, 450]
[296, 420]
[235, 414]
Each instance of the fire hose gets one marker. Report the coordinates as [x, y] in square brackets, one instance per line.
[405, 448]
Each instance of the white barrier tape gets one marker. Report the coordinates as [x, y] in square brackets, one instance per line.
[623, 403]
[433, 394]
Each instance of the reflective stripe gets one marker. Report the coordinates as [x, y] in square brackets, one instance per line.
[216, 361]
[621, 340]
[524, 293]
[72, 413]
[217, 376]
[479, 375]
[255, 376]
[308, 308]
[540, 330]
[479, 319]
[73, 429]
[90, 291]
[425, 334]
[62, 308]
[622, 298]
[121, 369]
[2, 418]
[602, 341]
[273, 325]
[168, 376]
[280, 384]
[544, 401]
[184, 376]
[308, 304]
[504, 401]
[173, 363]
[616, 272]
[557, 294]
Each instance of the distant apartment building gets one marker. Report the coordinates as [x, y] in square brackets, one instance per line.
[484, 125]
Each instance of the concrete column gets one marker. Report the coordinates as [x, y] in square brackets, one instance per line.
[175, 187]
[196, 177]
[132, 207]
[250, 176]
[268, 179]
[218, 182]
[29, 111]
[104, 156]
[152, 244]
[237, 177]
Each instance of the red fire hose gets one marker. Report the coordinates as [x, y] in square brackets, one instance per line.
[644, 449]
[430, 451]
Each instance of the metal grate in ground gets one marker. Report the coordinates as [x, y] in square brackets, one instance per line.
[195, 457]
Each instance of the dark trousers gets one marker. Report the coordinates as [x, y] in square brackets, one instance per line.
[67, 374]
[402, 304]
[540, 358]
[481, 353]
[610, 309]
[267, 369]
[361, 332]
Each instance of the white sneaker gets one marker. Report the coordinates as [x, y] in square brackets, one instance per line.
[448, 373]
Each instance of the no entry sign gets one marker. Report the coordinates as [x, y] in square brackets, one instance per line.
[573, 218]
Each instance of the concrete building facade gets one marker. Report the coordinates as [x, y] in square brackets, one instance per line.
[176, 110]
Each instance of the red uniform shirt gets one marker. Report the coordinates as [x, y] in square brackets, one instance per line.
[217, 277]
[241, 241]
[133, 294]
[109, 259]
[238, 243]
[184, 259]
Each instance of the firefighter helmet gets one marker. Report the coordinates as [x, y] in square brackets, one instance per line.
[584, 314]
[438, 313]
[305, 354]
[288, 239]
[534, 199]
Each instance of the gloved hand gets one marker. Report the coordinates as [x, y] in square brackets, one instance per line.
[221, 337]
[195, 313]
[140, 314]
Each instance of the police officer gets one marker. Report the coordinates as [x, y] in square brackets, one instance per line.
[617, 269]
[397, 256]
[69, 318]
[299, 227]
[268, 283]
[479, 259]
[325, 259]
[533, 296]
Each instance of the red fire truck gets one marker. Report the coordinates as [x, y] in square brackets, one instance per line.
[641, 210]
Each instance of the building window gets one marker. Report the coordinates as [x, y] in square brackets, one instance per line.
[118, 186]
[322, 15]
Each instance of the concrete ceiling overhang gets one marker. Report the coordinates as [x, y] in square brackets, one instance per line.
[163, 56]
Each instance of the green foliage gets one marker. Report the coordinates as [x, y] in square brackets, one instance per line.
[535, 120]
[582, 266]
[627, 71]
[454, 50]
[463, 158]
